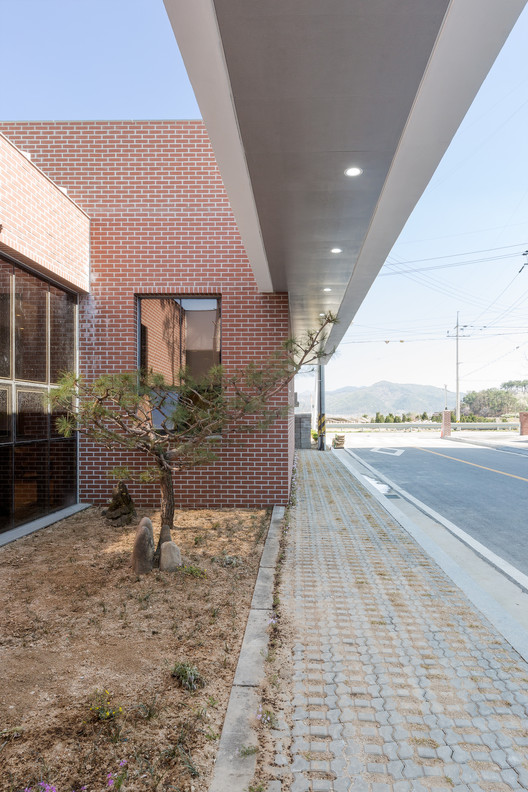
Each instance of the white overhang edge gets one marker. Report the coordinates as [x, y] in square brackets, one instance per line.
[196, 30]
[455, 72]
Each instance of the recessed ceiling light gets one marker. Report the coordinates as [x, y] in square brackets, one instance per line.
[336, 250]
[327, 289]
[353, 171]
[322, 314]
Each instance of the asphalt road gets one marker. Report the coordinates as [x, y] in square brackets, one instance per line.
[483, 491]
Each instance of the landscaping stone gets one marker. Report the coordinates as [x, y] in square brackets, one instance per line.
[170, 558]
[146, 521]
[143, 550]
[121, 509]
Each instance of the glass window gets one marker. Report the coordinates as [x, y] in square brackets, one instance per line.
[30, 327]
[31, 482]
[179, 332]
[31, 415]
[5, 318]
[62, 332]
[57, 412]
[202, 336]
[38, 469]
[6, 488]
[62, 475]
[6, 429]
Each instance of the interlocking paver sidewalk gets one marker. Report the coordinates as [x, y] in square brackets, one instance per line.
[400, 684]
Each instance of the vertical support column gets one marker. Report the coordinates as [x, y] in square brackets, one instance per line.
[446, 423]
[523, 421]
[321, 417]
[457, 408]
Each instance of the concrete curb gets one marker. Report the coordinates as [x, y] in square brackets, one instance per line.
[233, 771]
[42, 522]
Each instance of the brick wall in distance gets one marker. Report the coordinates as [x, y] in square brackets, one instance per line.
[161, 223]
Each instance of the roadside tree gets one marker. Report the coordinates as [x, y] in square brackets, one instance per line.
[184, 426]
[489, 402]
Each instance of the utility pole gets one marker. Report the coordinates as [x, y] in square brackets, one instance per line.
[321, 417]
[458, 328]
[457, 413]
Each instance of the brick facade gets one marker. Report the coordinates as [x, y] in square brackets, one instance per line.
[161, 223]
[41, 226]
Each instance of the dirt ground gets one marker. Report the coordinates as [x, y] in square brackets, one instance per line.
[88, 699]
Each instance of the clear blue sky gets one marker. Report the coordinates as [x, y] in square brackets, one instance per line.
[103, 59]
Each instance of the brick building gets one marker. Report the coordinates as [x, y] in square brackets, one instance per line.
[326, 126]
[165, 260]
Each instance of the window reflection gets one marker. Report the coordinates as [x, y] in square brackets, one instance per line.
[5, 319]
[31, 415]
[62, 474]
[31, 482]
[6, 487]
[5, 416]
[38, 471]
[177, 333]
[58, 412]
[30, 327]
[62, 333]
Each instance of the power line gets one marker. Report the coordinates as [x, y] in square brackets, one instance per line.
[429, 282]
[491, 362]
[448, 266]
[509, 310]
[427, 337]
[434, 185]
[466, 253]
[446, 289]
[430, 239]
[500, 295]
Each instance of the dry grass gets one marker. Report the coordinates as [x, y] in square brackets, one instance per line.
[76, 622]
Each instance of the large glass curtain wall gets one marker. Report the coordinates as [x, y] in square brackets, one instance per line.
[38, 467]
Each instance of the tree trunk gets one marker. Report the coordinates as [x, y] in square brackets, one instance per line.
[167, 498]
[167, 511]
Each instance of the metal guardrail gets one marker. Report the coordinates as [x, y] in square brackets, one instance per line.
[408, 427]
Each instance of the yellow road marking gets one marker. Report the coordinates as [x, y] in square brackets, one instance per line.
[473, 464]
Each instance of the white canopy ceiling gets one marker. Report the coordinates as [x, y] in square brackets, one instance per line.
[294, 92]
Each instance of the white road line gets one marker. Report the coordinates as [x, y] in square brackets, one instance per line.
[383, 488]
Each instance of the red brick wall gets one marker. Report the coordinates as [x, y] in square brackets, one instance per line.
[41, 226]
[161, 223]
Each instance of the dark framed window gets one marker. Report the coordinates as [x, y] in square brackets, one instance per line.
[62, 332]
[38, 341]
[179, 332]
[6, 278]
[31, 298]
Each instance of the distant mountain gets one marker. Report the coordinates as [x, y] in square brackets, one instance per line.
[384, 397]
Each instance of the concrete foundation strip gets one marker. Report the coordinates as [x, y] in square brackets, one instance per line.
[234, 771]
